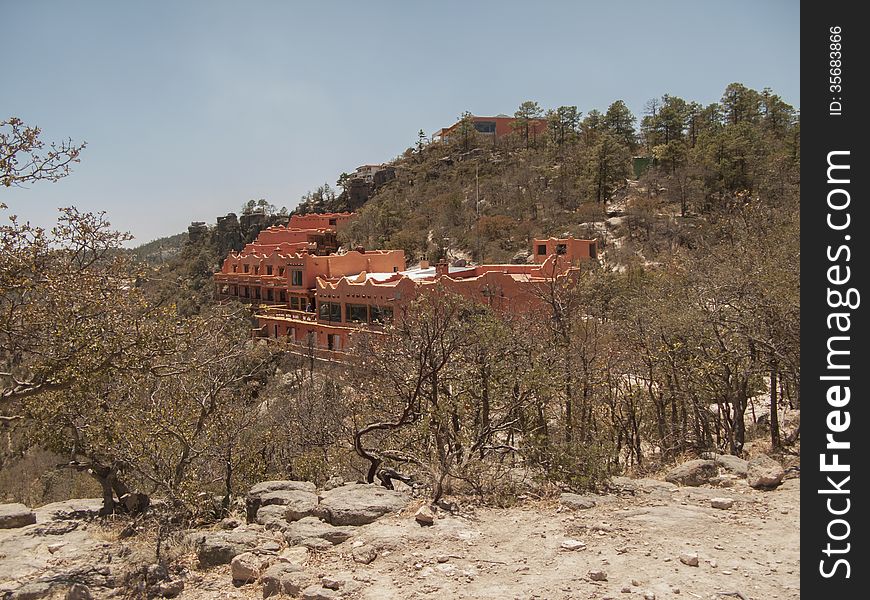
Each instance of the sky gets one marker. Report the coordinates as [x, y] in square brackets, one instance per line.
[190, 108]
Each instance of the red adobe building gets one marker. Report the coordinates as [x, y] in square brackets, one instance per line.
[320, 300]
[496, 127]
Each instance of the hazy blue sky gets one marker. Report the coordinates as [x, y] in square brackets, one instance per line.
[190, 108]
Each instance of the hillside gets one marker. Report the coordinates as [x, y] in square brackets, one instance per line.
[488, 197]
[161, 250]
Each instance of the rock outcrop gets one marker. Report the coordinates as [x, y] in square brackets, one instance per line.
[693, 473]
[220, 547]
[360, 504]
[732, 464]
[764, 473]
[15, 515]
[576, 501]
[267, 489]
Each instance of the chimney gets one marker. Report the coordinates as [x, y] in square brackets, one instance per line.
[441, 268]
[424, 264]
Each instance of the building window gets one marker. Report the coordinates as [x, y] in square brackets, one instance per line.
[561, 248]
[542, 249]
[247, 268]
[247, 292]
[296, 278]
[485, 126]
[592, 250]
[294, 303]
[281, 271]
[333, 222]
[382, 314]
[235, 268]
[257, 293]
[269, 294]
[357, 313]
[257, 270]
[330, 311]
[268, 269]
[283, 296]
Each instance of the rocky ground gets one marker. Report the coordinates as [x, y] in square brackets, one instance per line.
[708, 535]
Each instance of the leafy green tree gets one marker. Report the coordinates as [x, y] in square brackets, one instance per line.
[619, 122]
[467, 132]
[607, 166]
[525, 117]
[562, 124]
[740, 103]
[591, 125]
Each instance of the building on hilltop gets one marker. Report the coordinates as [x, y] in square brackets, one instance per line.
[319, 300]
[335, 221]
[495, 127]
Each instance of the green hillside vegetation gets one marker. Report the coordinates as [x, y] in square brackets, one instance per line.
[706, 158]
[159, 251]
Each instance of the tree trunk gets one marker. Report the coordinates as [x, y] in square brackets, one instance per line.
[774, 408]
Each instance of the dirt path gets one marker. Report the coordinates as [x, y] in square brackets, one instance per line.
[748, 551]
[752, 548]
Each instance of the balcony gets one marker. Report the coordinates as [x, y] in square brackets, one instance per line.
[286, 314]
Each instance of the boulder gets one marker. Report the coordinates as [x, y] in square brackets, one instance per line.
[284, 578]
[245, 567]
[297, 555]
[424, 516]
[360, 504]
[521, 257]
[77, 508]
[597, 575]
[333, 482]
[364, 555]
[689, 558]
[219, 548]
[576, 501]
[170, 589]
[316, 592]
[15, 515]
[312, 528]
[572, 545]
[764, 473]
[79, 591]
[623, 485]
[267, 547]
[272, 517]
[732, 464]
[296, 504]
[721, 503]
[332, 583]
[253, 500]
[693, 472]
[32, 591]
[287, 485]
